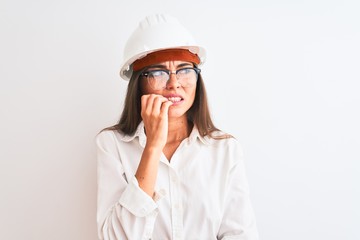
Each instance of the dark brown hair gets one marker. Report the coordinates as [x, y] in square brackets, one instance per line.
[198, 114]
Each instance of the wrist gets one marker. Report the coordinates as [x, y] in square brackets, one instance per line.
[153, 148]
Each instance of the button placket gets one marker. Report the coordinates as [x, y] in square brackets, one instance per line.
[176, 212]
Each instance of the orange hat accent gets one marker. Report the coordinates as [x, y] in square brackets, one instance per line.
[166, 55]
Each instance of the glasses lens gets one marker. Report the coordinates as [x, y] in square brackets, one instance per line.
[187, 77]
[157, 79]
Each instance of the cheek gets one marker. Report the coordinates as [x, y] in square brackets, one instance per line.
[145, 88]
[191, 93]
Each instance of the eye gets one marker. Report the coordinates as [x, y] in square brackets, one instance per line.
[185, 71]
[157, 73]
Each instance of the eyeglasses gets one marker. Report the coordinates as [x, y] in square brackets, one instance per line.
[158, 79]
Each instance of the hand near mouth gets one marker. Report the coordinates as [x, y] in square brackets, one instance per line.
[154, 112]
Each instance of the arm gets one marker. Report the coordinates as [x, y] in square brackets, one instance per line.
[238, 220]
[126, 210]
[154, 112]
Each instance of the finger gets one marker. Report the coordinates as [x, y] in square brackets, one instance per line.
[165, 108]
[158, 101]
[149, 104]
[146, 104]
[144, 100]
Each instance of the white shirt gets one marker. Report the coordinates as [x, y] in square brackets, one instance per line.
[202, 193]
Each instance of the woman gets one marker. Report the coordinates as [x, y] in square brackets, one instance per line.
[165, 171]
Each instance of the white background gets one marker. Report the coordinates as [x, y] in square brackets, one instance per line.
[282, 76]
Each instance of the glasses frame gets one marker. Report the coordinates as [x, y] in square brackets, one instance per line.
[146, 74]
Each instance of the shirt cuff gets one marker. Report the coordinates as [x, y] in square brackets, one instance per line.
[136, 201]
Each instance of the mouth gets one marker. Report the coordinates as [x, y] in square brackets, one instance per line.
[175, 99]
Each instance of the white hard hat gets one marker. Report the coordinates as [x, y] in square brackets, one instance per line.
[154, 33]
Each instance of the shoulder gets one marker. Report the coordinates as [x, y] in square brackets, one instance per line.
[108, 138]
[220, 138]
[226, 144]
[105, 135]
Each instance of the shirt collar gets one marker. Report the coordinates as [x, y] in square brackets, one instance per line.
[196, 135]
[140, 132]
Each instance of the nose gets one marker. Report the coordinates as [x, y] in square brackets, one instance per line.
[173, 82]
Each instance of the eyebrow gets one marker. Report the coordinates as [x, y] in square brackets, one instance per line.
[161, 66]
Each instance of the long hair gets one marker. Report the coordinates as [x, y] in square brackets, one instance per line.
[198, 114]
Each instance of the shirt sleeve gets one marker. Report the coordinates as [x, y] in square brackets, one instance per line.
[124, 210]
[238, 221]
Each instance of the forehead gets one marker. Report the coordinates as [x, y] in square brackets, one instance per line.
[169, 64]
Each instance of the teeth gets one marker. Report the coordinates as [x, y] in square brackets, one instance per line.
[174, 99]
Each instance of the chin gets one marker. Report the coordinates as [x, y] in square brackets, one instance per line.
[175, 113]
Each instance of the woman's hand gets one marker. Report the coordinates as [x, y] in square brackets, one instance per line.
[154, 112]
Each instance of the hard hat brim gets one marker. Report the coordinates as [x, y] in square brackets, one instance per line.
[126, 67]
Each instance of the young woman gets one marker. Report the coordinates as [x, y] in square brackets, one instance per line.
[165, 171]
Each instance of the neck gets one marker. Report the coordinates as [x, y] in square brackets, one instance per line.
[178, 130]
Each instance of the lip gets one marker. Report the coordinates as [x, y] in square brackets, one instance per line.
[175, 96]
